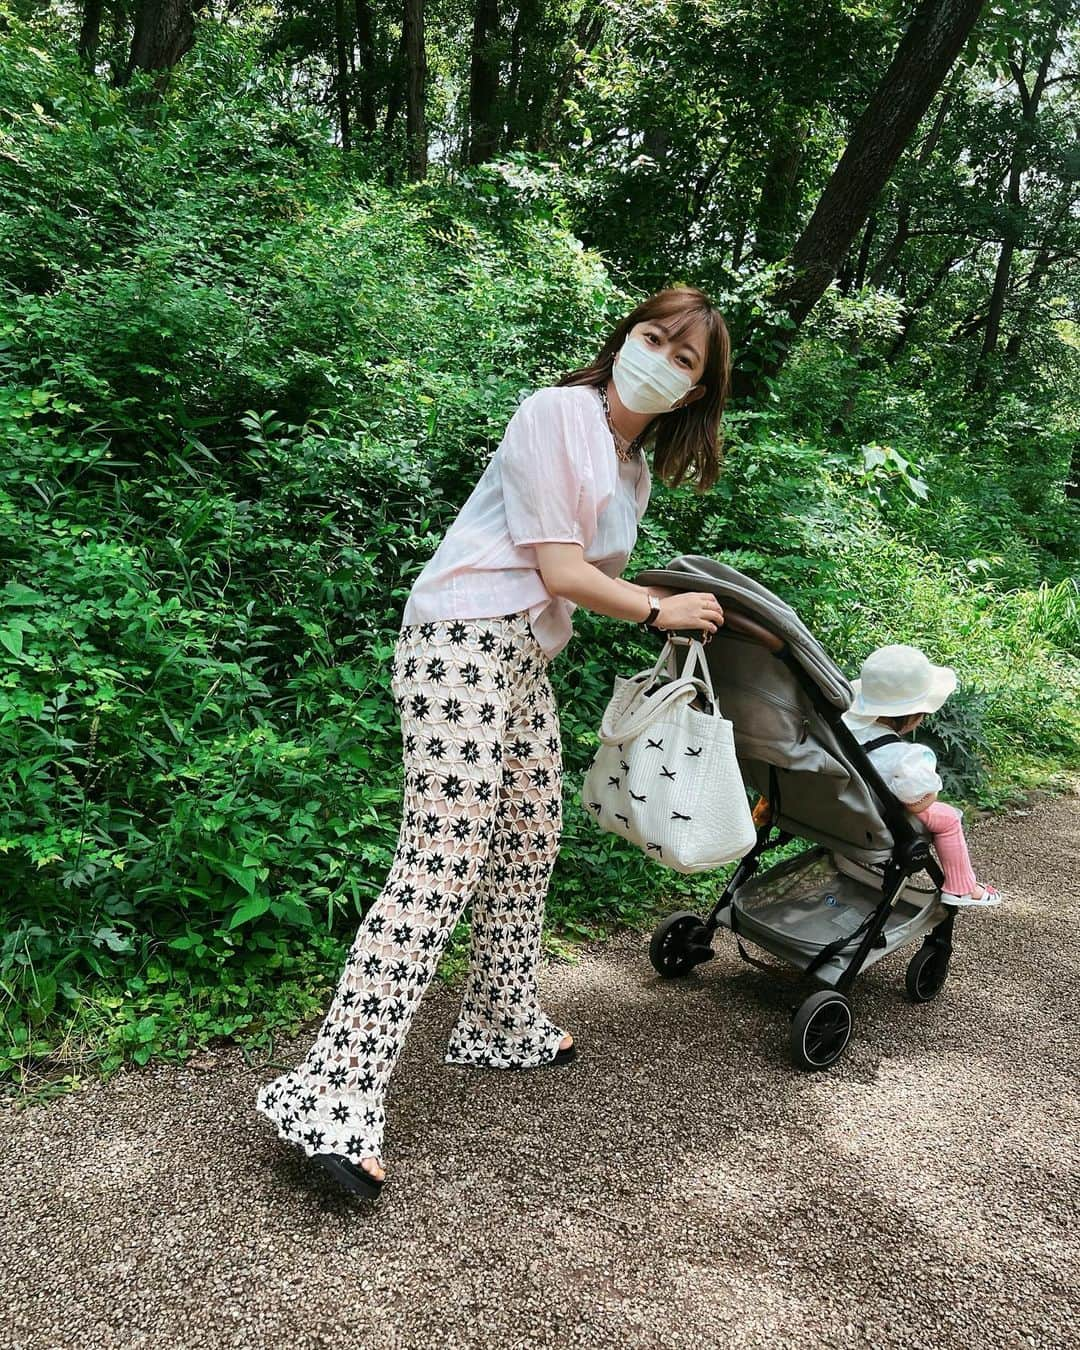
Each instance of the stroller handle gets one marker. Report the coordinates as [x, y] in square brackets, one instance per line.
[739, 623]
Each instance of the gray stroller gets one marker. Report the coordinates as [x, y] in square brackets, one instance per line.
[852, 897]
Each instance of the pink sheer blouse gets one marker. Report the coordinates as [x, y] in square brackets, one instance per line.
[555, 477]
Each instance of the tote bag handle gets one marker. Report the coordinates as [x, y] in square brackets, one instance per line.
[644, 708]
[696, 652]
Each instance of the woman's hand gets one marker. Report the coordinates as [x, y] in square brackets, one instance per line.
[690, 609]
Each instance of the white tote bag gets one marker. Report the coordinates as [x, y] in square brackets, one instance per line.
[666, 776]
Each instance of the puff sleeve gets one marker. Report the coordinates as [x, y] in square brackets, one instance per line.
[915, 774]
[546, 472]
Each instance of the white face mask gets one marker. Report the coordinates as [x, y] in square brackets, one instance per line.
[645, 379]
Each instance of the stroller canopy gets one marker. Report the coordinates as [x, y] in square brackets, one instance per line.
[786, 707]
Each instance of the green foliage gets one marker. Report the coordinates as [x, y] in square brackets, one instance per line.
[242, 395]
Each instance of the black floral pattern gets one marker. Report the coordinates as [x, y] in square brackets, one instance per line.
[481, 823]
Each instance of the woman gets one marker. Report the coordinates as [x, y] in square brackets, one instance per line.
[548, 527]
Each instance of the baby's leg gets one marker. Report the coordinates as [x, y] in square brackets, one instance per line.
[943, 821]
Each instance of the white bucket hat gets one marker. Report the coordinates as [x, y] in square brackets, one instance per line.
[899, 679]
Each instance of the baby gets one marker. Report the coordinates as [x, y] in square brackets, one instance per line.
[897, 688]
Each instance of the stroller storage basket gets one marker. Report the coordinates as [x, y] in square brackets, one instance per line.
[804, 904]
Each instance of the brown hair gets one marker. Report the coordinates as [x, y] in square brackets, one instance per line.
[900, 723]
[691, 437]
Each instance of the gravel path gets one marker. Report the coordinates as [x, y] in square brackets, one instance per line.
[679, 1185]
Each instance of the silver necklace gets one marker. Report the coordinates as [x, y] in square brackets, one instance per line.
[626, 450]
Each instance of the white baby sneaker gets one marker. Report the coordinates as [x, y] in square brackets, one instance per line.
[990, 896]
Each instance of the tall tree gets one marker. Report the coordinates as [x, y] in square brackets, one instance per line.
[1013, 220]
[342, 48]
[590, 29]
[932, 42]
[904, 208]
[483, 82]
[778, 205]
[415, 52]
[366, 72]
[90, 33]
[164, 32]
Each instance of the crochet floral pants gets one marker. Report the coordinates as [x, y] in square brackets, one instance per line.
[481, 822]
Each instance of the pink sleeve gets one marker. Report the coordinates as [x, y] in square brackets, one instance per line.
[546, 475]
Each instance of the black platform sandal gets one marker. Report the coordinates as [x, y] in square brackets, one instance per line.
[350, 1175]
[561, 1057]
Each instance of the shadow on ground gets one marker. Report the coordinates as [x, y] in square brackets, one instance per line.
[679, 1185]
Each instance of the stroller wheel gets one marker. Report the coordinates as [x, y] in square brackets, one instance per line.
[821, 1030]
[679, 944]
[926, 973]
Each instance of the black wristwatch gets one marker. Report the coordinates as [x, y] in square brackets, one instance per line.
[654, 610]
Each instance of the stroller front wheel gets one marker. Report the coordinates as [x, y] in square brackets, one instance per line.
[926, 973]
[821, 1030]
[679, 944]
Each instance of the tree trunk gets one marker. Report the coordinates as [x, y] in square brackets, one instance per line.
[116, 74]
[903, 211]
[931, 44]
[911, 313]
[901, 233]
[415, 86]
[483, 82]
[1072, 484]
[396, 95]
[590, 29]
[164, 32]
[342, 46]
[864, 252]
[90, 33]
[934, 38]
[1014, 216]
[519, 122]
[778, 204]
[365, 41]
[698, 197]
[1040, 268]
[739, 243]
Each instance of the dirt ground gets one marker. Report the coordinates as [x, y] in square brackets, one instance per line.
[679, 1185]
